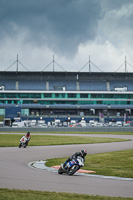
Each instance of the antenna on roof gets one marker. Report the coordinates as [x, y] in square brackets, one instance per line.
[18, 62]
[54, 62]
[89, 62]
[125, 63]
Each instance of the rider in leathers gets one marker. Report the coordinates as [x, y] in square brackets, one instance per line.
[82, 154]
[28, 136]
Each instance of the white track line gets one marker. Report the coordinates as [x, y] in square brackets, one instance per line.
[41, 165]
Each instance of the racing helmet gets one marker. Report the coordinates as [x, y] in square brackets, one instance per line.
[83, 152]
[28, 134]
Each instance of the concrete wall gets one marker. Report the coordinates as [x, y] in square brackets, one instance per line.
[67, 129]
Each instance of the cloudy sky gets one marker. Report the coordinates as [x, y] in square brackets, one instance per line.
[71, 30]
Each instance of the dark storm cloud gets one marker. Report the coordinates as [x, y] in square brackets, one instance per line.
[60, 24]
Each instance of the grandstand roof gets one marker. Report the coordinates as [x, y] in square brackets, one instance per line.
[37, 75]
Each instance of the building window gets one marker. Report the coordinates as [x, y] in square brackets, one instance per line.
[23, 95]
[47, 95]
[57, 95]
[10, 95]
[83, 95]
[35, 95]
[72, 95]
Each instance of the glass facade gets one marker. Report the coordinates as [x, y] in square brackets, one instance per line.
[66, 98]
[25, 112]
[2, 111]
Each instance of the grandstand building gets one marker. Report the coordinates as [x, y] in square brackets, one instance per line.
[63, 95]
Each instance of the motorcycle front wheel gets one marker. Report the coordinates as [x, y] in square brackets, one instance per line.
[60, 170]
[20, 145]
[72, 170]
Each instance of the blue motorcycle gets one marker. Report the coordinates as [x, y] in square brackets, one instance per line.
[72, 166]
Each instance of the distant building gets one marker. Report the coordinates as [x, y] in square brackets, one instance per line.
[66, 94]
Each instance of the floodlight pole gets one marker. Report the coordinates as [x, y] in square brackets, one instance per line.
[17, 63]
[53, 63]
[89, 64]
[125, 65]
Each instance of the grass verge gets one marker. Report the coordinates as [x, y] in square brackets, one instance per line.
[84, 132]
[75, 132]
[6, 194]
[118, 163]
[111, 133]
[12, 140]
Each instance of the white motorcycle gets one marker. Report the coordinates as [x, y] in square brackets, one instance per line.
[23, 142]
[72, 166]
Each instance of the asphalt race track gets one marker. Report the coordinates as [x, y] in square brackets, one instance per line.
[15, 172]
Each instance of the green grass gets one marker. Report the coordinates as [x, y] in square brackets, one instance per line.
[111, 133]
[6, 194]
[75, 132]
[111, 164]
[118, 163]
[12, 140]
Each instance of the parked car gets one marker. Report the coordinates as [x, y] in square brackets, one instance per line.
[43, 126]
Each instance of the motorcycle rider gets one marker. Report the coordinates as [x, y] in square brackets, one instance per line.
[28, 136]
[82, 154]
